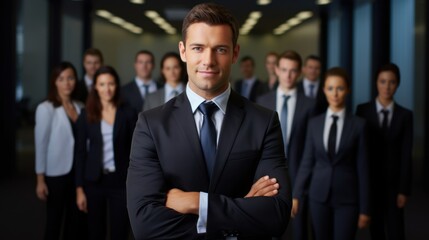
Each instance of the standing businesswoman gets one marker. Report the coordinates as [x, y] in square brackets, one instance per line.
[54, 142]
[335, 166]
[102, 152]
[390, 150]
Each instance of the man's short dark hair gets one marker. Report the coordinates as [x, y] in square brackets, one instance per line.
[94, 52]
[291, 55]
[390, 67]
[313, 57]
[247, 58]
[147, 52]
[211, 14]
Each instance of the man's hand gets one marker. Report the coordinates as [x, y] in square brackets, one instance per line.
[295, 207]
[81, 199]
[265, 186]
[363, 221]
[183, 202]
[401, 200]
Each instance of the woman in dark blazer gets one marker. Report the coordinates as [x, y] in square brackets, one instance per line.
[335, 166]
[102, 152]
[390, 154]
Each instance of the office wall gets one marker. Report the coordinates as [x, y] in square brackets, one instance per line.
[119, 46]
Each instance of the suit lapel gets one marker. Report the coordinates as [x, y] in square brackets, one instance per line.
[319, 134]
[299, 110]
[395, 119]
[345, 135]
[184, 118]
[230, 127]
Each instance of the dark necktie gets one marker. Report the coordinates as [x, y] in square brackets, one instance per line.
[146, 89]
[385, 123]
[208, 134]
[174, 93]
[284, 121]
[332, 140]
[244, 89]
[311, 86]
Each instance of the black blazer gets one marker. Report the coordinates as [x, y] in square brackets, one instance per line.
[321, 102]
[130, 94]
[392, 167]
[82, 90]
[89, 146]
[304, 110]
[257, 90]
[166, 153]
[344, 180]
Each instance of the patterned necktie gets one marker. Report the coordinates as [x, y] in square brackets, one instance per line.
[332, 140]
[208, 135]
[283, 122]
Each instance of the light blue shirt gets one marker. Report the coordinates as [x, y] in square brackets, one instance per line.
[169, 91]
[221, 101]
[108, 150]
[140, 83]
[307, 88]
[246, 87]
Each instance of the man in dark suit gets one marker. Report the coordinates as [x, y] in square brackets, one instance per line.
[299, 110]
[311, 84]
[270, 65]
[92, 61]
[249, 86]
[135, 91]
[190, 172]
[390, 150]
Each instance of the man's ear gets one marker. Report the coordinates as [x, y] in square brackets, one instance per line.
[182, 51]
[235, 53]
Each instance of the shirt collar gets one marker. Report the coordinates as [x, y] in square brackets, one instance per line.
[221, 100]
[380, 107]
[169, 88]
[341, 114]
[291, 93]
[140, 82]
[308, 82]
[88, 80]
[250, 80]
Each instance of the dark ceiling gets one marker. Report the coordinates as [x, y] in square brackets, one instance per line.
[273, 14]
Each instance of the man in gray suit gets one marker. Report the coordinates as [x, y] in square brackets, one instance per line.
[295, 109]
[194, 160]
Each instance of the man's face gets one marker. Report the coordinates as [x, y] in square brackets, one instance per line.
[246, 69]
[287, 72]
[209, 55]
[270, 64]
[144, 66]
[91, 63]
[311, 69]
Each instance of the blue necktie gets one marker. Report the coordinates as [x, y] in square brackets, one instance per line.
[146, 89]
[208, 134]
[244, 89]
[332, 139]
[284, 121]
[311, 86]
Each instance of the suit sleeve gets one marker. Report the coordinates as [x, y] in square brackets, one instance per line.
[42, 131]
[146, 193]
[256, 216]
[306, 167]
[406, 156]
[363, 171]
[80, 149]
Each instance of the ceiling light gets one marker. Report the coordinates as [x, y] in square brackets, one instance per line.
[137, 30]
[264, 2]
[151, 14]
[323, 2]
[255, 15]
[304, 15]
[250, 22]
[117, 20]
[159, 20]
[293, 21]
[137, 1]
[104, 13]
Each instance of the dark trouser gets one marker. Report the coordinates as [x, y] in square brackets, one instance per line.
[300, 223]
[107, 196]
[334, 221]
[387, 220]
[62, 211]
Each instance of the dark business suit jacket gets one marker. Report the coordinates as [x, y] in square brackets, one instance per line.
[321, 102]
[82, 90]
[89, 146]
[130, 94]
[391, 157]
[304, 110]
[154, 99]
[257, 90]
[166, 153]
[344, 180]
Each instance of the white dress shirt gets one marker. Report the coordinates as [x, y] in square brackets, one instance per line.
[380, 114]
[221, 101]
[291, 104]
[140, 83]
[88, 82]
[328, 122]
